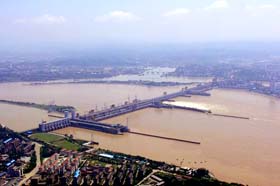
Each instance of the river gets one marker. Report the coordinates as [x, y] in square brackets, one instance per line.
[239, 150]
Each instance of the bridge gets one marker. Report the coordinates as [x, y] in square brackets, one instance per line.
[142, 104]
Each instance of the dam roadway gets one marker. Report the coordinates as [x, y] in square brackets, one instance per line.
[142, 104]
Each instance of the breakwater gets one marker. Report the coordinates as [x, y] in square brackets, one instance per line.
[166, 138]
[50, 108]
[55, 116]
[230, 116]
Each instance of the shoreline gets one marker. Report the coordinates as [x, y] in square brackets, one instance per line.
[247, 90]
[117, 82]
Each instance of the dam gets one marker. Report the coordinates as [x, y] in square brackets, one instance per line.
[92, 120]
[142, 104]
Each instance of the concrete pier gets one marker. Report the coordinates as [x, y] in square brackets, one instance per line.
[166, 138]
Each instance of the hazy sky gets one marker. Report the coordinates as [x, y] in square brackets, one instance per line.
[91, 22]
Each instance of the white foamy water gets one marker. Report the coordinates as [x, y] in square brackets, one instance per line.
[187, 104]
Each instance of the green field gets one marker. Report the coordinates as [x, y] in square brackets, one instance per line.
[46, 137]
[67, 145]
[56, 140]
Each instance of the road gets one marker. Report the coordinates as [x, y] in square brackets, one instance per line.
[144, 179]
[38, 163]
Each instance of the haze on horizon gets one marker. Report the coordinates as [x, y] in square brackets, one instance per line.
[92, 23]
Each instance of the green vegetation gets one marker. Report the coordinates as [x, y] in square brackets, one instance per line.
[47, 151]
[46, 137]
[67, 144]
[31, 165]
[97, 162]
[58, 141]
[51, 108]
[118, 156]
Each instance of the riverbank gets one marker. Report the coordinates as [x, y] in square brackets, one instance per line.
[249, 90]
[129, 82]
